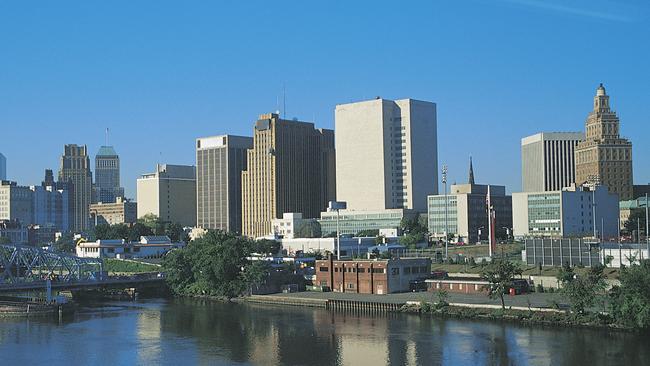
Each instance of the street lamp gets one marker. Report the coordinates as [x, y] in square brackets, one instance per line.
[594, 182]
[337, 206]
[444, 181]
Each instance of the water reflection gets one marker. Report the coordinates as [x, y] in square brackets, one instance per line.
[187, 332]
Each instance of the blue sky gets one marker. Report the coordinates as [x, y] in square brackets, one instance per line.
[160, 74]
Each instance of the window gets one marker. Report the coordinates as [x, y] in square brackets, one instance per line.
[324, 269]
[394, 271]
[336, 269]
[378, 270]
[407, 270]
[350, 285]
[362, 270]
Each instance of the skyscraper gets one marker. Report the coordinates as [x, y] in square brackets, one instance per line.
[288, 170]
[169, 193]
[107, 175]
[386, 154]
[604, 155]
[548, 161]
[219, 163]
[75, 172]
[3, 167]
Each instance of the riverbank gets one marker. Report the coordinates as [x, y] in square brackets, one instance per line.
[30, 309]
[530, 309]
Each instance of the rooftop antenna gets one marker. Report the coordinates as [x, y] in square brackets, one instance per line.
[106, 136]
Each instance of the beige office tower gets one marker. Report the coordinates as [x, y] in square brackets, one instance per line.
[604, 155]
[169, 193]
[75, 172]
[548, 161]
[386, 154]
[219, 163]
[289, 169]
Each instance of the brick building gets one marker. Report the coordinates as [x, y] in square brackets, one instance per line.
[367, 276]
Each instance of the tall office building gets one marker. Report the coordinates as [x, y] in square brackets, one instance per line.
[289, 169]
[3, 167]
[75, 172]
[16, 203]
[548, 161]
[219, 163]
[604, 155]
[169, 193]
[465, 214]
[107, 175]
[386, 154]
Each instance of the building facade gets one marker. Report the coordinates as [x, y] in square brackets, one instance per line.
[219, 163]
[75, 172]
[548, 161]
[386, 154]
[169, 193]
[566, 213]
[3, 167]
[467, 215]
[557, 252]
[605, 156]
[371, 276]
[51, 207]
[351, 222]
[288, 170]
[147, 247]
[107, 175]
[14, 232]
[122, 211]
[285, 228]
[16, 203]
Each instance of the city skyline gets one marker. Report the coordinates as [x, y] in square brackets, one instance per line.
[178, 87]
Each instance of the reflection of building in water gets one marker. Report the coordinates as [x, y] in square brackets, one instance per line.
[148, 334]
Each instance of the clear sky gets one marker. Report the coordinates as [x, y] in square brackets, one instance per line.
[160, 73]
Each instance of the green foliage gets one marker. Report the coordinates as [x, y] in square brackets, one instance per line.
[4, 240]
[148, 225]
[443, 298]
[631, 301]
[152, 221]
[581, 290]
[123, 266]
[65, 243]
[309, 229]
[379, 239]
[540, 288]
[635, 220]
[214, 265]
[266, 247]
[368, 233]
[500, 275]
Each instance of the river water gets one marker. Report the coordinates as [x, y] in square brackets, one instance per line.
[190, 332]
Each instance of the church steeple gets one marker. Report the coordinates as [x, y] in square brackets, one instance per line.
[471, 171]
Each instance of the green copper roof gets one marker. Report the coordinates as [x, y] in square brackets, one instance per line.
[106, 151]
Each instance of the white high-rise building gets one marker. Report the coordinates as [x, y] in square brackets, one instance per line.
[386, 154]
[548, 161]
[169, 193]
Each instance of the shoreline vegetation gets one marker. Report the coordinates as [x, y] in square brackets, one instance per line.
[218, 266]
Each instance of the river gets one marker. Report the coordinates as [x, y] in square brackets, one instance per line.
[191, 332]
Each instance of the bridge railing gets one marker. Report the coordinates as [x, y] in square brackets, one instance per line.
[26, 264]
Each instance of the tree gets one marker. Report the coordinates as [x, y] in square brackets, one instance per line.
[214, 265]
[154, 223]
[631, 301]
[137, 230]
[266, 247]
[414, 231]
[308, 229]
[380, 239]
[65, 243]
[175, 232]
[635, 221]
[500, 275]
[5, 240]
[582, 290]
[368, 233]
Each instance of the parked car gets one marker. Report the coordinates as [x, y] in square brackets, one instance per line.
[439, 275]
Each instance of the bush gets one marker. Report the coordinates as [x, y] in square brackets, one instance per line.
[551, 289]
[540, 288]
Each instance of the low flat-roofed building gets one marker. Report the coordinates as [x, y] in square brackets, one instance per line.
[286, 226]
[14, 232]
[147, 247]
[349, 246]
[122, 211]
[354, 221]
[367, 276]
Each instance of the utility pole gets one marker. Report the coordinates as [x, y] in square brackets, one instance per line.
[444, 182]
